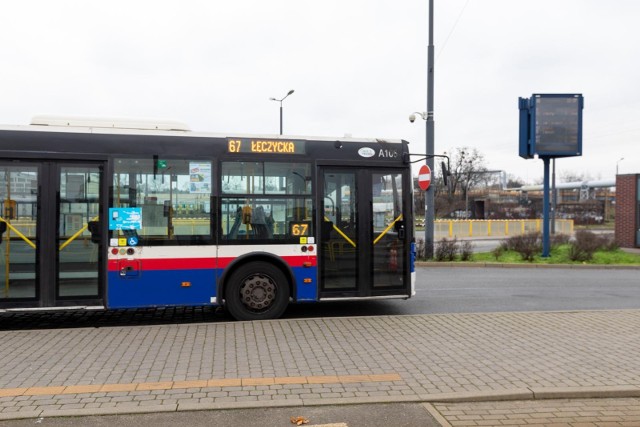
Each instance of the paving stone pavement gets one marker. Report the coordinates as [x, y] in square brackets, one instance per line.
[547, 413]
[425, 358]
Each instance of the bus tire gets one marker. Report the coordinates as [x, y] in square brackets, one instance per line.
[257, 291]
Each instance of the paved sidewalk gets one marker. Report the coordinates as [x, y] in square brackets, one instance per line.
[542, 413]
[426, 358]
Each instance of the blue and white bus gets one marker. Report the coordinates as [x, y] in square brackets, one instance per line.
[128, 214]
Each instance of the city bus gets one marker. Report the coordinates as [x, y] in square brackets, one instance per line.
[118, 214]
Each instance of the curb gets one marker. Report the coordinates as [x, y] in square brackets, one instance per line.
[461, 264]
[535, 393]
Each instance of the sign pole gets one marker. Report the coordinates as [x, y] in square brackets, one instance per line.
[550, 127]
[545, 210]
[554, 197]
[430, 211]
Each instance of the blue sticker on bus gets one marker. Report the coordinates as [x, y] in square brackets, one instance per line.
[125, 218]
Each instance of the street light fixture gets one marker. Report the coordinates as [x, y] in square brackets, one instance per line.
[280, 101]
[621, 159]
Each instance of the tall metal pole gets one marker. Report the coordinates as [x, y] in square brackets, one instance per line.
[545, 210]
[554, 197]
[429, 197]
[280, 101]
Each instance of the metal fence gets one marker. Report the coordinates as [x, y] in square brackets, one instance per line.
[495, 228]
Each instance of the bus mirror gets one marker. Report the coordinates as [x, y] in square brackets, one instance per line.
[445, 174]
[94, 229]
[167, 208]
[3, 228]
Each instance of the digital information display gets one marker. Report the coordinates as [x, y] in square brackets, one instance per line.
[551, 125]
[265, 146]
[557, 125]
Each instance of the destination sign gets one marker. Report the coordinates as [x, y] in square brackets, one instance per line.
[265, 146]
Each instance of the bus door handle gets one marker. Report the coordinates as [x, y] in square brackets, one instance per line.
[129, 269]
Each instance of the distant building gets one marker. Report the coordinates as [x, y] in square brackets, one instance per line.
[628, 210]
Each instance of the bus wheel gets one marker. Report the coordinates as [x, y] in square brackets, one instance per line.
[257, 291]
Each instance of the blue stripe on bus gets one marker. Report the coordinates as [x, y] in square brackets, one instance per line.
[164, 288]
[306, 292]
[412, 251]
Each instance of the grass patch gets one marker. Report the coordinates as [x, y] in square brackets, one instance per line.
[560, 255]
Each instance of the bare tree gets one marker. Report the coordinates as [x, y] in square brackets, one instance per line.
[514, 181]
[466, 171]
[467, 165]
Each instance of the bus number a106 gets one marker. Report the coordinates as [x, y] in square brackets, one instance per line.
[300, 229]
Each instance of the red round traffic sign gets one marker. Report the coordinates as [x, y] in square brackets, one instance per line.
[424, 177]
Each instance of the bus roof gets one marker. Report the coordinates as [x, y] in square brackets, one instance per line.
[79, 124]
[109, 122]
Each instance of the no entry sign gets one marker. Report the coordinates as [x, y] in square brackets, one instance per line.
[424, 177]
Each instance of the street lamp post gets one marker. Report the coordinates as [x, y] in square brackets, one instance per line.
[617, 163]
[280, 101]
[429, 225]
[429, 199]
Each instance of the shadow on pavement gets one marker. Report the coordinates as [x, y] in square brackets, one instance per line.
[180, 315]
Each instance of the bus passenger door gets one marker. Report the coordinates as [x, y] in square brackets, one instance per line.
[48, 254]
[364, 238]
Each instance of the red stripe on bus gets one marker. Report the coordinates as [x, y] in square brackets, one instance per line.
[201, 263]
[292, 261]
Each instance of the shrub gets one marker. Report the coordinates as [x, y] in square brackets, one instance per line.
[585, 244]
[499, 250]
[527, 245]
[446, 250]
[559, 239]
[466, 250]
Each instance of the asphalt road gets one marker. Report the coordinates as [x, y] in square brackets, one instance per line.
[459, 290]
[475, 290]
[378, 415]
[439, 290]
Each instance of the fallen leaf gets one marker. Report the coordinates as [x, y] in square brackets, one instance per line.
[299, 420]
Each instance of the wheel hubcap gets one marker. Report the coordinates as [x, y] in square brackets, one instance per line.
[258, 292]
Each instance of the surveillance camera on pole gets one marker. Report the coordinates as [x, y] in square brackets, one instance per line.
[412, 116]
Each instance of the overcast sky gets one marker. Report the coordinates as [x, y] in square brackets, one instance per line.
[357, 67]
